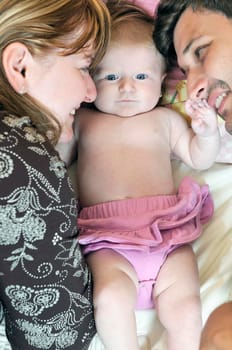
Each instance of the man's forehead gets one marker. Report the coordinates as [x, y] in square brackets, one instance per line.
[191, 26]
[194, 24]
[181, 37]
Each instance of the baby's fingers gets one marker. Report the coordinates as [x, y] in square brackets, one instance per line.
[193, 107]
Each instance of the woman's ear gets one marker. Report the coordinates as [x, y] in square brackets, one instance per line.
[15, 60]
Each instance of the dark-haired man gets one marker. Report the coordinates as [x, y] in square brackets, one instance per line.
[197, 33]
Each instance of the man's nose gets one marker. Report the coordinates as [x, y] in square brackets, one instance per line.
[197, 84]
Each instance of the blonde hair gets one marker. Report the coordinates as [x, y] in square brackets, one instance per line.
[42, 25]
[130, 23]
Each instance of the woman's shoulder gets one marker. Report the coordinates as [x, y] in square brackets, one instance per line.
[19, 126]
[27, 157]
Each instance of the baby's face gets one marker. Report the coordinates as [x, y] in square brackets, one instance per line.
[128, 80]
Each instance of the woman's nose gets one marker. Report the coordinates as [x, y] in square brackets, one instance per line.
[91, 92]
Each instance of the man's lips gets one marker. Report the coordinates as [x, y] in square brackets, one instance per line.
[224, 109]
[221, 102]
[217, 98]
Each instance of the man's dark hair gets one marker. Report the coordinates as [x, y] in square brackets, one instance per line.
[168, 14]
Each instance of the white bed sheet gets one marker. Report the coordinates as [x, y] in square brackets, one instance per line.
[214, 254]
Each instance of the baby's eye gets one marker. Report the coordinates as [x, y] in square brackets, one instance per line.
[141, 76]
[111, 77]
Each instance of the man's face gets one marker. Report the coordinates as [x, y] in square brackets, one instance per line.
[203, 43]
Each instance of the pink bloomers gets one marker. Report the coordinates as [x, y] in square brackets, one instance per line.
[145, 230]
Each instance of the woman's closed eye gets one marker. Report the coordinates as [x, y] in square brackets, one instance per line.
[85, 69]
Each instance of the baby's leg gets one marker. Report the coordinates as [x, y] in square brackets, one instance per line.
[115, 295]
[177, 300]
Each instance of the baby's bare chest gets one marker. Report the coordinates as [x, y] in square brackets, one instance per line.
[117, 135]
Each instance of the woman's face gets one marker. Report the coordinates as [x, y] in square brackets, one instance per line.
[203, 45]
[61, 84]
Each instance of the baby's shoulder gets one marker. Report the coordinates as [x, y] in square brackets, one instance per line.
[92, 115]
[169, 114]
[86, 111]
[161, 114]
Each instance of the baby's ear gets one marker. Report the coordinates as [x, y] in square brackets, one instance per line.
[15, 60]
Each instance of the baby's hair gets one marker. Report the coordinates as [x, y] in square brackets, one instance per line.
[131, 24]
[44, 25]
[128, 20]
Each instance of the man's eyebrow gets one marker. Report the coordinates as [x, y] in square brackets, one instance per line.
[188, 47]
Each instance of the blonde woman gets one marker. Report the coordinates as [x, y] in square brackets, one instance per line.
[46, 50]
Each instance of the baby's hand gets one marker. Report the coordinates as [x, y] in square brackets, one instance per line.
[204, 117]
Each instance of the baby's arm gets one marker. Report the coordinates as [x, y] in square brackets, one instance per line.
[199, 145]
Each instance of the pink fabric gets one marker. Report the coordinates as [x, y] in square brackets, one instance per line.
[147, 224]
[147, 266]
[148, 5]
[145, 230]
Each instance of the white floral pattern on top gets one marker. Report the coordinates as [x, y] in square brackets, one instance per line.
[46, 288]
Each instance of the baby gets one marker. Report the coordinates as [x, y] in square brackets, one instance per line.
[135, 227]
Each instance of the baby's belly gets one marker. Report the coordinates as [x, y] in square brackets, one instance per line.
[94, 188]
